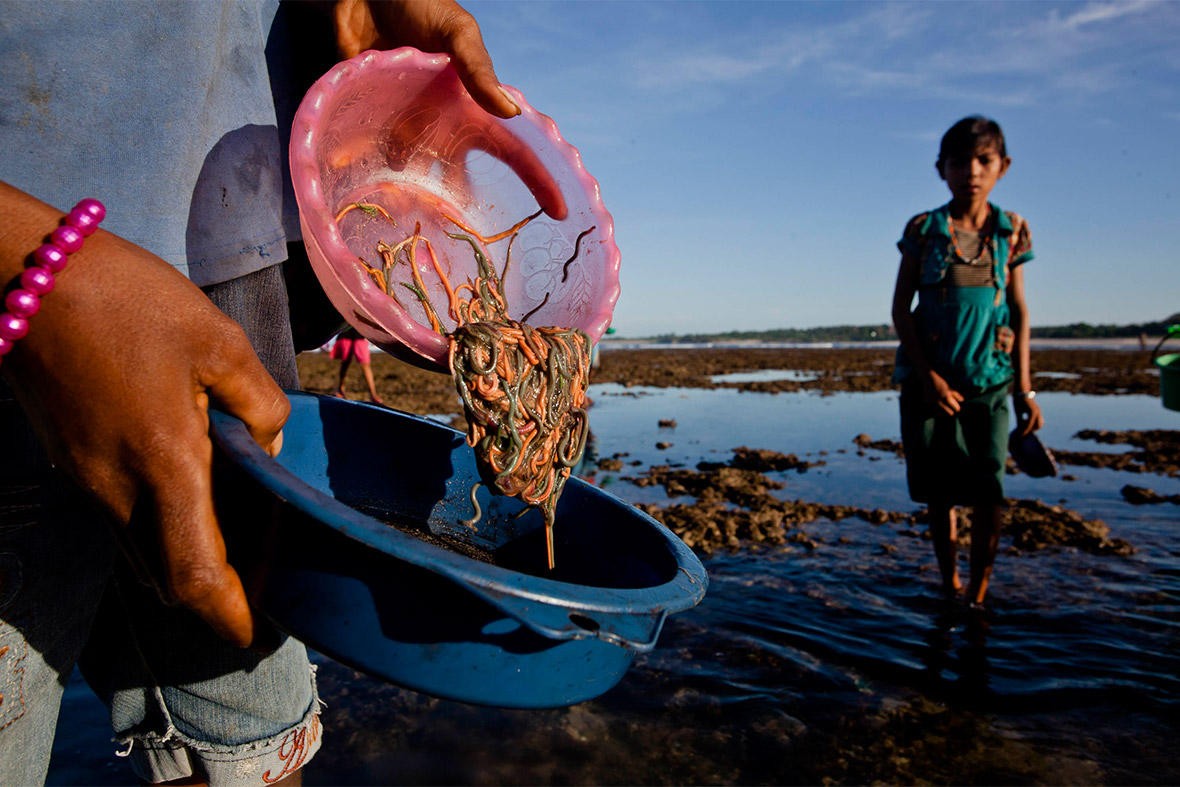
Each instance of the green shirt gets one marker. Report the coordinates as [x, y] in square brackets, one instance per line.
[963, 331]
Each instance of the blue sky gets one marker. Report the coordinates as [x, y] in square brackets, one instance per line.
[761, 158]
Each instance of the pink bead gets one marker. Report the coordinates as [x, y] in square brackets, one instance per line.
[6, 346]
[67, 238]
[37, 280]
[12, 327]
[82, 221]
[22, 303]
[93, 207]
[50, 257]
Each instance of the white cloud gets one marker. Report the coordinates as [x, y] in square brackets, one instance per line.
[927, 82]
[858, 78]
[695, 57]
[1088, 52]
[1104, 12]
[714, 66]
[707, 68]
[775, 51]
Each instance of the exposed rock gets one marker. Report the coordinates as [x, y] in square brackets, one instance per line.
[1159, 451]
[735, 506]
[1034, 525]
[1139, 495]
[888, 446]
[765, 461]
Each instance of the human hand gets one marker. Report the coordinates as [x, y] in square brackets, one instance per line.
[431, 26]
[116, 375]
[1028, 415]
[443, 26]
[939, 392]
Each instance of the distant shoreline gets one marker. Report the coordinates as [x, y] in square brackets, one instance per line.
[1121, 343]
[1115, 343]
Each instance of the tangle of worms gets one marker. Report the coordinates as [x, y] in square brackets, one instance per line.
[522, 387]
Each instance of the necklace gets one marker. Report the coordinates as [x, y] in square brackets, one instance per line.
[983, 247]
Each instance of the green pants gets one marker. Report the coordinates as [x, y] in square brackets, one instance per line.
[955, 459]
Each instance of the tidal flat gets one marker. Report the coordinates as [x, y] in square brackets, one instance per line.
[822, 653]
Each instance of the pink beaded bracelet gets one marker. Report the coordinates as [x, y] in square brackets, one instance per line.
[49, 258]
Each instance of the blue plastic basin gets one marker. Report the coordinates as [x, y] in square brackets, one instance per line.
[309, 533]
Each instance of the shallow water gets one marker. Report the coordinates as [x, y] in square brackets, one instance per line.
[838, 662]
[765, 375]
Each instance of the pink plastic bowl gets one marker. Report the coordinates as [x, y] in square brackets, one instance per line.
[398, 129]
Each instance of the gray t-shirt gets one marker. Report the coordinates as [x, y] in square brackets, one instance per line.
[162, 110]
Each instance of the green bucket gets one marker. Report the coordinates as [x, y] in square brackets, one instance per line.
[1169, 366]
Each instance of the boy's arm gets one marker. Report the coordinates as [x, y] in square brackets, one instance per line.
[1028, 412]
[937, 390]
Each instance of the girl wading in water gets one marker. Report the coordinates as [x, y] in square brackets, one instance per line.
[963, 349]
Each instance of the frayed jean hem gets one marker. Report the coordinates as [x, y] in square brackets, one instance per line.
[173, 755]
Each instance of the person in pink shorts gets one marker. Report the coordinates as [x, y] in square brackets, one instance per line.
[351, 346]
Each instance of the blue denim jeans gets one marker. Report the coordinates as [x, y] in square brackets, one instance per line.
[182, 701]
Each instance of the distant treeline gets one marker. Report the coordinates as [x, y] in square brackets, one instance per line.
[1084, 330]
[884, 332]
[835, 333]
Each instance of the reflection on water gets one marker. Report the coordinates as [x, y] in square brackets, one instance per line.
[839, 662]
[1048, 642]
[765, 376]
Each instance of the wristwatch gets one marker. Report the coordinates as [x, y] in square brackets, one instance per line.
[1025, 395]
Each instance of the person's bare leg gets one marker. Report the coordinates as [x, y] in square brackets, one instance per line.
[944, 532]
[985, 539]
[367, 368]
[340, 392]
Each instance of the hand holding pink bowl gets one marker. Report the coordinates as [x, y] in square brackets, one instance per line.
[388, 147]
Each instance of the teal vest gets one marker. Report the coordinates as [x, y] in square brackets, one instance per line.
[963, 331]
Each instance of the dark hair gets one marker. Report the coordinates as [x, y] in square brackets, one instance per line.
[969, 135]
